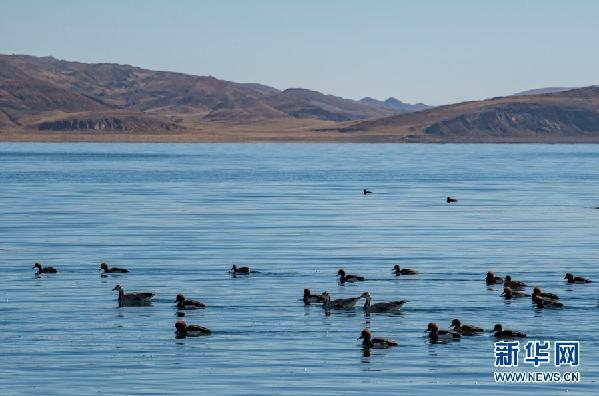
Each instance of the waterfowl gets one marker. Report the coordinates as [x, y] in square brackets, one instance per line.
[134, 298]
[403, 271]
[44, 270]
[240, 270]
[537, 292]
[390, 306]
[184, 303]
[436, 335]
[451, 200]
[467, 329]
[376, 342]
[500, 332]
[508, 293]
[340, 303]
[513, 284]
[312, 298]
[367, 192]
[540, 302]
[348, 277]
[113, 270]
[491, 279]
[193, 330]
[576, 279]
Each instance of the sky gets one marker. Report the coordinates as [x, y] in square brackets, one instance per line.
[434, 52]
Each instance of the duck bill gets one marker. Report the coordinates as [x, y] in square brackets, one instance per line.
[359, 338]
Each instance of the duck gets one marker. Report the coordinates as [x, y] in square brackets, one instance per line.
[390, 306]
[340, 303]
[500, 332]
[193, 330]
[44, 270]
[184, 303]
[576, 279]
[348, 277]
[367, 191]
[403, 271]
[113, 270]
[377, 342]
[491, 279]
[508, 293]
[549, 296]
[540, 302]
[513, 284]
[134, 298]
[437, 335]
[467, 329]
[240, 270]
[451, 200]
[312, 298]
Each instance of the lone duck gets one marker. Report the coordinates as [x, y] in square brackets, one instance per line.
[390, 306]
[508, 293]
[240, 270]
[451, 200]
[348, 277]
[340, 303]
[548, 296]
[540, 302]
[576, 279]
[436, 335]
[192, 330]
[113, 270]
[376, 342]
[513, 284]
[467, 329]
[491, 279]
[44, 270]
[184, 303]
[500, 332]
[367, 192]
[134, 298]
[403, 271]
[312, 298]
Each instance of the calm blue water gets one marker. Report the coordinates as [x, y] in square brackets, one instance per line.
[178, 215]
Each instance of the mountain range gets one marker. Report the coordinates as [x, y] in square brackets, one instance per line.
[46, 99]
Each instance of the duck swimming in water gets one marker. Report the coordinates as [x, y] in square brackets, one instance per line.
[44, 270]
[466, 330]
[491, 279]
[340, 303]
[193, 330]
[113, 270]
[508, 293]
[451, 200]
[548, 296]
[376, 342]
[184, 303]
[348, 277]
[403, 271]
[500, 332]
[576, 279]
[390, 306]
[134, 298]
[436, 335]
[513, 284]
[540, 302]
[240, 270]
[367, 191]
[312, 298]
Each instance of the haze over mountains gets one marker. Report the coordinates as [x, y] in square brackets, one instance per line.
[50, 99]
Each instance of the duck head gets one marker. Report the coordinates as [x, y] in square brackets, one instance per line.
[180, 298]
[181, 327]
[103, 266]
[365, 335]
[233, 268]
[307, 292]
[536, 291]
[508, 278]
[118, 287]
[341, 273]
[491, 275]
[37, 265]
[569, 276]
[498, 327]
[432, 328]
[456, 324]
[507, 292]
[539, 301]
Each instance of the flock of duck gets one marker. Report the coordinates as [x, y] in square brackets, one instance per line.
[511, 289]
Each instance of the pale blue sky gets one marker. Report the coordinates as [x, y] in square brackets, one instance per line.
[430, 51]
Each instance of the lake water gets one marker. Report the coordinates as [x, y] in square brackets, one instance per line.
[178, 216]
